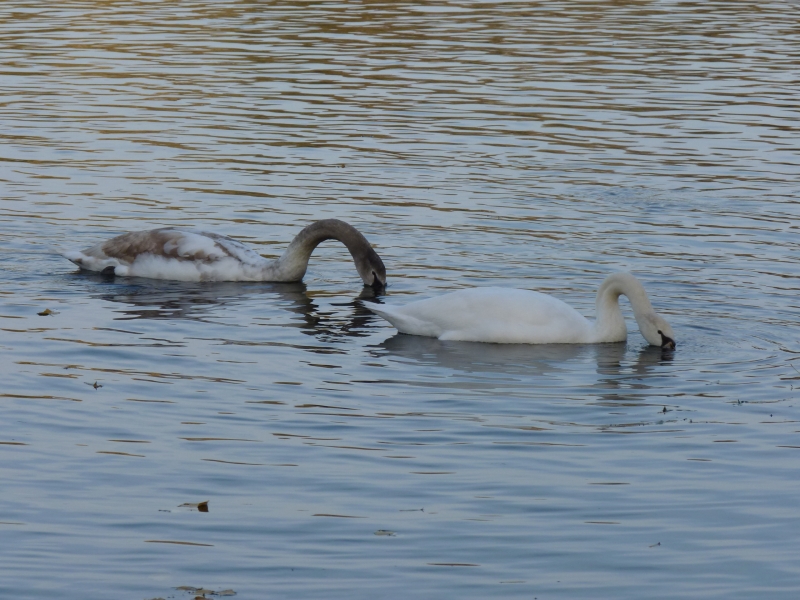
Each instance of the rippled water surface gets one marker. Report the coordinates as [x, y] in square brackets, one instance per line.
[527, 144]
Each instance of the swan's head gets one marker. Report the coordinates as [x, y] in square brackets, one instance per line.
[657, 331]
[373, 273]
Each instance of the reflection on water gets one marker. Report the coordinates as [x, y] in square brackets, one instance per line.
[508, 359]
[472, 357]
[536, 144]
[525, 370]
[153, 299]
[169, 300]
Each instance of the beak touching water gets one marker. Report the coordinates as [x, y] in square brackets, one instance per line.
[667, 343]
[377, 286]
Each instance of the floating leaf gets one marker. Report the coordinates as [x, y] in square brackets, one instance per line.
[47, 312]
[200, 506]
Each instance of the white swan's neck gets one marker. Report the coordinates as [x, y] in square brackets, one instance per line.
[292, 264]
[610, 325]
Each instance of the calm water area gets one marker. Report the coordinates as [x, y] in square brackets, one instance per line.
[537, 144]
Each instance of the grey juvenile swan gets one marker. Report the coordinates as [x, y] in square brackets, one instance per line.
[181, 255]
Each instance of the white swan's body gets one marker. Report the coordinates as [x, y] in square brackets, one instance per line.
[201, 256]
[511, 316]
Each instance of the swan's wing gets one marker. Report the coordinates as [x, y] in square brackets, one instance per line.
[491, 315]
[176, 255]
[236, 249]
[170, 244]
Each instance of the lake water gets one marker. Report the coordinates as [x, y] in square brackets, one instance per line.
[539, 145]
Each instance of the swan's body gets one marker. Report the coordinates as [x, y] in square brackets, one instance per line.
[200, 256]
[511, 316]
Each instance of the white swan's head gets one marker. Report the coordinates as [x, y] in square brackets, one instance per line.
[657, 331]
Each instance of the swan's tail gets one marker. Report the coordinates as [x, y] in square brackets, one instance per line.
[90, 263]
[381, 311]
[403, 323]
[75, 256]
[78, 258]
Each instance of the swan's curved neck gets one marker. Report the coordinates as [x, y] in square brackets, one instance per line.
[610, 325]
[292, 264]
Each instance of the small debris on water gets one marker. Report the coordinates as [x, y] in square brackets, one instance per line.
[385, 532]
[47, 312]
[656, 544]
[95, 385]
[200, 506]
[665, 410]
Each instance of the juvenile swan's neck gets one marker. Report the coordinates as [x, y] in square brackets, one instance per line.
[292, 265]
[610, 326]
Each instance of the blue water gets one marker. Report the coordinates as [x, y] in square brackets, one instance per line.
[538, 145]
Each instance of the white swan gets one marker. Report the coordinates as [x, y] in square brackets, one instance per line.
[201, 256]
[510, 316]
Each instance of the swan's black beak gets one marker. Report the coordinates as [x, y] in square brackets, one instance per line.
[667, 343]
[377, 285]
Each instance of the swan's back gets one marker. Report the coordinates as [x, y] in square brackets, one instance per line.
[496, 315]
[173, 254]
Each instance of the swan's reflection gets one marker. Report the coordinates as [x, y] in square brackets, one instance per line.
[141, 298]
[624, 377]
[156, 299]
[616, 364]
[477, 358]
